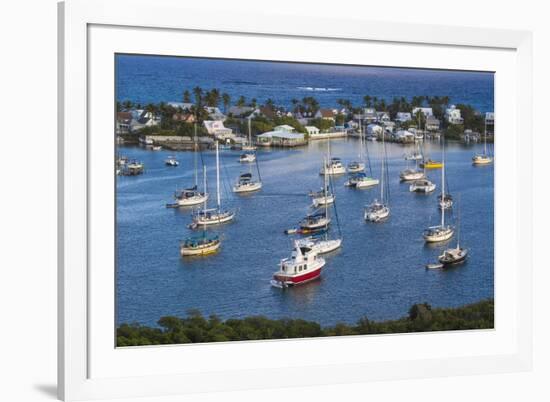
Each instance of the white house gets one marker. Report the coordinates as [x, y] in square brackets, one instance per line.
[285, 128]
[432, 123]
[182, 105]
[217, 129]
[370, 115]
[142, 118]
[403, 117]
[382, 116]
[453, 116]
[327, 114]
[312, 130]
[490, 118]
[215, 113]
[426, 111]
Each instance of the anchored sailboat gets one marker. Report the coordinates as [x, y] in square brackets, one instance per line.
[380, 210]
[245, 183]
[249, 146]
[324, 196]
[445, 200]
[358, 166]
[440, 232]
[192, 196]
[457, 254]
[410, 174]
[484, 158]
[216, 215]
[200, 245]
[332, 165]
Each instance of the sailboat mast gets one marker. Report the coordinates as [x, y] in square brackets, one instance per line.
[325, 194]
[249, 132]
[360, 141]
[195, 159]
[218, 175]
[382, 171]
[443, 186]
[204, 184]
[485, 136]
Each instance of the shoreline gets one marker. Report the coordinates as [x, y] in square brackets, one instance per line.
[197, 329]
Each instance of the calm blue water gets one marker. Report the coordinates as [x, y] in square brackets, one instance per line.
[152, 79]
[378, 273]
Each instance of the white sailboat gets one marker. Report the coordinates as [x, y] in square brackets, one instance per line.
[216, 215]
[358, 166]
[249, 146]
[484, 158]
[422, 185]
[318, 220]
[245, 182]
[332, 165]
[441, 232]
[444, 200]
[454, 255]
[192, 196]
[324, 244]
[380, 210]
[324, 196]
[410, 174]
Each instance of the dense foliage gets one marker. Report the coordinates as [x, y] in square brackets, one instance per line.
[195, 328]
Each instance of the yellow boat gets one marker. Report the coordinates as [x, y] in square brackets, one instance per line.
[430, 164]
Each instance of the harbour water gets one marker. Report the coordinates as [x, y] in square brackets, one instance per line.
[379, 272]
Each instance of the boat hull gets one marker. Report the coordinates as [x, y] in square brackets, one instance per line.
[247, 188]
[214, 219]
[195, 200]
[200, 251]
[294, 280]
[439, 236]
[482, 160]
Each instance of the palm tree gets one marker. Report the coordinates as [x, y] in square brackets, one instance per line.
[253, 102]
[186, 96]
[368, 100]
[197, 91]
[226, 99]
[242, 101]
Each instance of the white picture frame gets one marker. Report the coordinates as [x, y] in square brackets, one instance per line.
[81, 314]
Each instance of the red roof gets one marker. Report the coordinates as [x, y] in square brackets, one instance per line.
[124, 116]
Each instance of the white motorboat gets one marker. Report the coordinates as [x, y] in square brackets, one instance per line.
[171, 161]
[422, 186]
[304, 265]
[156, 148]
[214, 216]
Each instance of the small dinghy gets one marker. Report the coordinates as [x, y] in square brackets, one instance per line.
[171, 161]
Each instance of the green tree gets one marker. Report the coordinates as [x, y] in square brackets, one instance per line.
[226, 99]
[186, 96]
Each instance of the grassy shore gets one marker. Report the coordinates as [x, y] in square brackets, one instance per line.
[197, 329]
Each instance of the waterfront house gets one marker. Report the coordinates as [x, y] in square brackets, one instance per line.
[142, 118]
[217, 129]
[280, 139]
[426, 111]
[285, 127]
[453, 116]
[123, 122]
[388, 126]
[382, 117]
[432, 124]
[312, 130]
[326, 114]
[490, 118]
[403, 117]
[370, 115]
